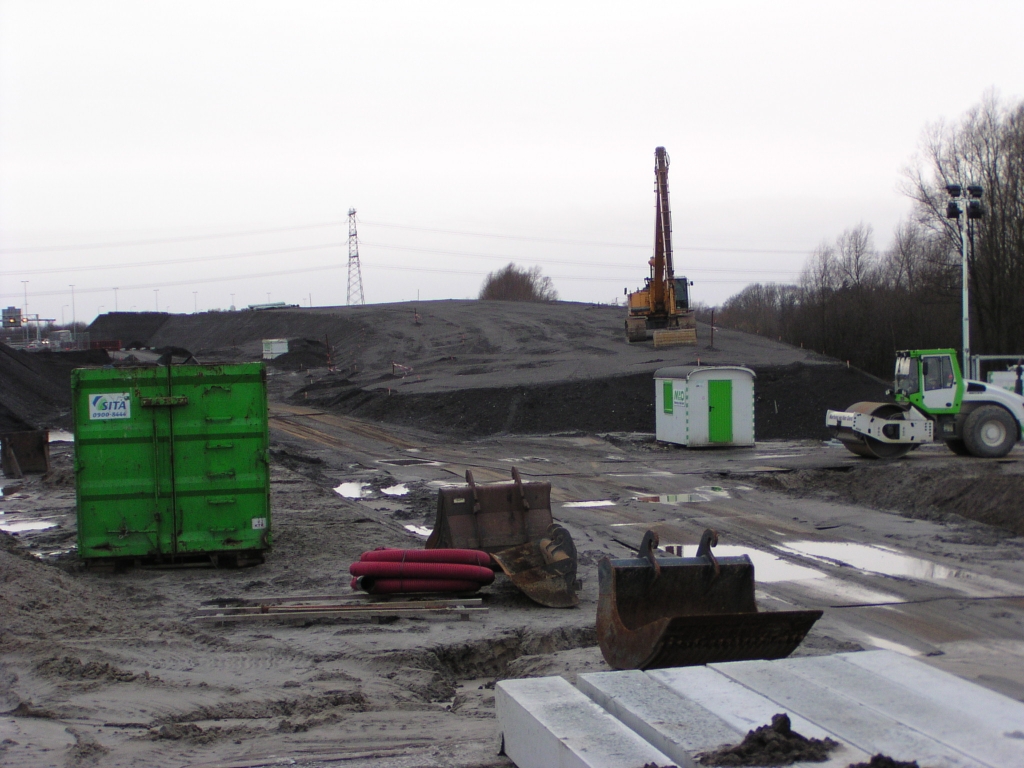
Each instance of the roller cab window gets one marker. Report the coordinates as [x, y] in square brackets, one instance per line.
[937, 372]
[906, 376]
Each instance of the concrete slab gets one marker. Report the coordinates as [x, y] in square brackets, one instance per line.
[952, 711]
[546, 722]
[675, 725]
[828, 704]
[1000, 713]
[742, 708]
[678, 725]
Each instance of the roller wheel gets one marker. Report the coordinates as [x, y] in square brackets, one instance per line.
[990, 432]
[869, 447]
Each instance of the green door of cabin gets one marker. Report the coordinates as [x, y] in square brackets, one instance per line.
[720, 411]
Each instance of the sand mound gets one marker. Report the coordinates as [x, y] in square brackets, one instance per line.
[39, 602]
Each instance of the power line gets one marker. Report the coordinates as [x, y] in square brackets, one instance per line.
[167, 262]
[340, 244]
[163, 240]
[694, 248]
[297, 227]
[325, 268]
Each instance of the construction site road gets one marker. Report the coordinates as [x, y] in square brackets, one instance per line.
[112, 669]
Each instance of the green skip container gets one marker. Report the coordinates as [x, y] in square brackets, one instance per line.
[171, 463]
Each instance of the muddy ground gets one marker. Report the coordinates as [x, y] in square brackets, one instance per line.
[117, 669]
[114, 669]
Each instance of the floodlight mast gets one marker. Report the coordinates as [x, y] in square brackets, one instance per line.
[972, 209]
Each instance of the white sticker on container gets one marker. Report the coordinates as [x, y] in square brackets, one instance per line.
[259, 523]
[110, 405]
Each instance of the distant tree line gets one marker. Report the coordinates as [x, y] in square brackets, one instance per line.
[860, 304]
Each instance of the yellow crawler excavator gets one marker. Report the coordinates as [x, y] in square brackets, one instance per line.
[663, 304]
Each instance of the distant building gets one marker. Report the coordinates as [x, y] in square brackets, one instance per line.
[12, 317]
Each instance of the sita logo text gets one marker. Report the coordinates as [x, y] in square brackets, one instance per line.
[111, 405]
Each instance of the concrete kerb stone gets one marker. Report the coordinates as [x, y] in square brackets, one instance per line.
[546, 722]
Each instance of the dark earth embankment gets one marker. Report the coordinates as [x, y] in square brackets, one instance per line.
[982, 490]
[790, 403]
[35, 387]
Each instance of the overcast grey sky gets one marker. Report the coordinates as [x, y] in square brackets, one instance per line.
[531, 125]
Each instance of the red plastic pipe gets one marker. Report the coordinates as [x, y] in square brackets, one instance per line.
[455, 571]
[463, 556]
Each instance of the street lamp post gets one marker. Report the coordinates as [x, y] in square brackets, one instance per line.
[115, 299]
[74, 330]
[24, 285]
[972, 209]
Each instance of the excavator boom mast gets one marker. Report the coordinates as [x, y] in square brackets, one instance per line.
[661, 265]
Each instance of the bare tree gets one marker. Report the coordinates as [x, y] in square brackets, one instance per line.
[986, 147]
[513, 283]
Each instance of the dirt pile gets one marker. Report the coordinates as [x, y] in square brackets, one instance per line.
[791, 400]
[35, 387]
[884, 761]
[775, 744]
[302, 354]
[39, 602]
[132, 329]
[978, 489]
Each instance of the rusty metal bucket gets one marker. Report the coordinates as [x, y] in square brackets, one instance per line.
[657, 612]
[512, 522]
[22, 452]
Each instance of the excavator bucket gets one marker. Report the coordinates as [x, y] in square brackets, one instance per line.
[657, 612]
[512, 522]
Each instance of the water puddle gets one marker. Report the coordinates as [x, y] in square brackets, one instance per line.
[526, 459]
[409, 462]
[51, 554]
[673, 498]
[60, 436]
[420, 530]
[602, 503]
[352, 490]
[395, 490]
[839, 593]
[776, 455]
[27, 525]
[651, 473]
[874, 559]
[768, 568]
[889, 645]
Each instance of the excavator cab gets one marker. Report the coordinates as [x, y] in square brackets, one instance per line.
[682, 293]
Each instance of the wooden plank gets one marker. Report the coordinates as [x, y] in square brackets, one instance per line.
[348, 605]
[955, 718]
[355, 613]
[828, 705]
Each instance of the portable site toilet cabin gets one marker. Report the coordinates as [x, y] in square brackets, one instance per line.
[704, 406]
